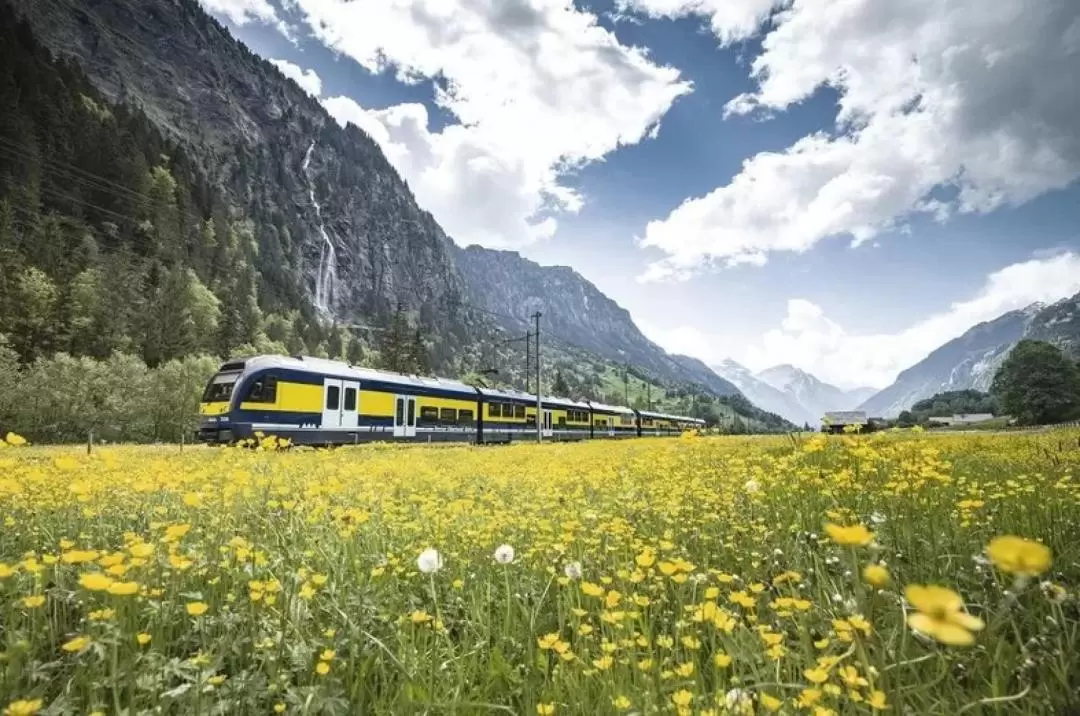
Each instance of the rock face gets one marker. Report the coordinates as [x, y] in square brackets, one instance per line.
[336, 206]
[575, 313]
[972, 360]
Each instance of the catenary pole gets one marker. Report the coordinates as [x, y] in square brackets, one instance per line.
[539, 408]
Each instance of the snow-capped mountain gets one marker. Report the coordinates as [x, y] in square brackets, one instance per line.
[972, 360]
[812, 393]
[790, 392]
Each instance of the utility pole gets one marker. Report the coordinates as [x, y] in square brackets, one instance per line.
[539, 408]
[626, 384]
[528, 359]
[648, 392]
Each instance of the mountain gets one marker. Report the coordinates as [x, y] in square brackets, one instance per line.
[156, 142]
[338, 234]
[815, 396]
[764, 395]
[971, 360]
[575, 313]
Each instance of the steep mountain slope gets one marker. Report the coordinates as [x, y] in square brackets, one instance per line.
[1059, 324]
[335, 232]
[969, 361]
[335, 224]
[575, 313]
[764, 395]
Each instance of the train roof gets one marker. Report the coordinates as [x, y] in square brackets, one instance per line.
[615, 409]
[340, 369]
[531, 398]
[668, 416]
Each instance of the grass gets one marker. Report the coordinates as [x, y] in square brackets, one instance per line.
[684, 576]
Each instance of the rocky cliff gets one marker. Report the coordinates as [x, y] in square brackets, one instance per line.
[575, 313]
[338, 225]
[972, 360]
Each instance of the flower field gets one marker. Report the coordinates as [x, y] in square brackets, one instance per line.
[890, 573]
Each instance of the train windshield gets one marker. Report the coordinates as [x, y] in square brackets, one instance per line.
[220, 388]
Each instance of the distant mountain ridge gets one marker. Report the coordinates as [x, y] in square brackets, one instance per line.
[971, 360]
[575, 313]
[790, 392]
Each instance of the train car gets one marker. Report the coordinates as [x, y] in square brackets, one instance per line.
[612, 421]
[313, 401]
[319, 402]
[506, 416]
[652, 424]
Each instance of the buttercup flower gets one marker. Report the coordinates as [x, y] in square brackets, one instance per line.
[941, 615]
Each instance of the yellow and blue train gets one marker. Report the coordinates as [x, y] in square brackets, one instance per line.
[313, 401]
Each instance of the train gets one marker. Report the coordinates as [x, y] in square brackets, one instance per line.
[315, 401]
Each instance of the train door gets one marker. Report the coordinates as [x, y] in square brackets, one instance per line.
[547, 431]
[404, 416]
[331, 416]
[350, 404]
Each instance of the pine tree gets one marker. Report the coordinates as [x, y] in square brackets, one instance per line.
[417, 361]
[559, 387]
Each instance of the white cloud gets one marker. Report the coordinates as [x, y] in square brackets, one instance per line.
[730, 20]
[537, 88]
[977, 98]
[241, 12]
[807, 338]
[308, 80]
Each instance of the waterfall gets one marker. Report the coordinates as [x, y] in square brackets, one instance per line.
[326, 278]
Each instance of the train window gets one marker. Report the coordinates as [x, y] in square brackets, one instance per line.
[263, 390]
[561, 422]
[429, 414]
[465, 416]
[333, 397]
[447, 415]
[350, 399]
[495, 410]
[519, 412]
[412, 411]
[530, 420]
[220, 387]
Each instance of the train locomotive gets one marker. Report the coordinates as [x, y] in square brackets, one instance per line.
[314, 401]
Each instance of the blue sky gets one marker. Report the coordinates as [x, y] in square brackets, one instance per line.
[957, 177]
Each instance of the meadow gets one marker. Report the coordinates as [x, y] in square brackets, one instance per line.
[888, 573]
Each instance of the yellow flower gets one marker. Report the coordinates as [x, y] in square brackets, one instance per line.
[545, 709]
[603, 663]
[1019, 556]
[816, 675]
[142, 550]
[77, 644]
[279, 708]
[682, 697]
[940, 615]
[327, 655]
[685, 670]
[197, 609]
[216, 680]
[621, 702]
[771, 703]
[853, 536]
[877, 700]
[592, 590]
[322, 668]
[124, 589]
[143, 638]
[420, 617]
[645, 559]
[15, 441]
[95, 581]
[875, 575]
[23, 707]
[33, 601]
[721, 660]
